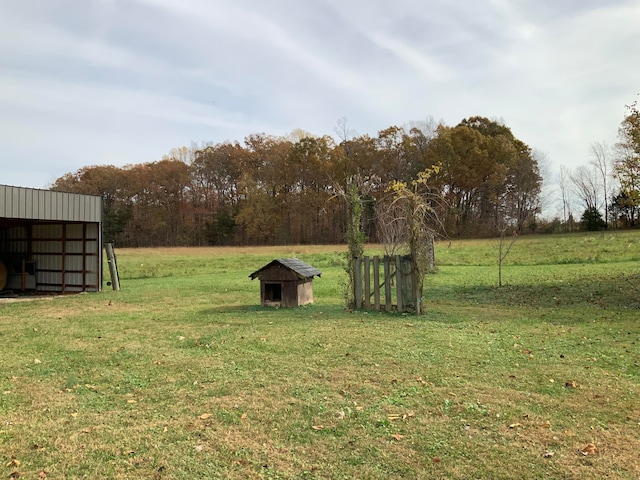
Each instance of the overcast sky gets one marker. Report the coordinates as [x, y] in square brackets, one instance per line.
[94, 82]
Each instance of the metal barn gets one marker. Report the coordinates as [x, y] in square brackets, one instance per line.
[286, 282]
[50, 242]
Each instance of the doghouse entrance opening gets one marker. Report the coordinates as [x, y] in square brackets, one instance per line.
[273, 292]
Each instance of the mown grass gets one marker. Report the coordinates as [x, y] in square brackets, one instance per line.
[182, 375]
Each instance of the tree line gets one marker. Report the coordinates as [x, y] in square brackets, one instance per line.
[287, 190]
[607, 189]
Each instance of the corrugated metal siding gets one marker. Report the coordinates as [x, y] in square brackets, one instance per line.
[32, 204]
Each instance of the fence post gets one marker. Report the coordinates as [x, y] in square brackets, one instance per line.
[357, 288]
[376, 283]
[387, 284]
[399, 282]
[367, 283]
[113, 266]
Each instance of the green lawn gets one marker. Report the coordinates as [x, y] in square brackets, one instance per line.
[182, 375]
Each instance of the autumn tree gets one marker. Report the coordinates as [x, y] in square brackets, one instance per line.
[486, 173]
[216, 174]
[112, 183]
[627, 165]
[279, 190]
[161, 214]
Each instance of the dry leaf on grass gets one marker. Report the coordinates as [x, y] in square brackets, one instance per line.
[590, 449]
[548, 454]
[14, 462]
[515, 425]
[204, 416]
[398, 437]
[317, 427]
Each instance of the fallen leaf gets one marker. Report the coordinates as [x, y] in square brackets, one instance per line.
[436, 459]
[393, 417]
[590, 449]
[131, 400]
[515, 425]
[204, 416]
[14, 462]
[243, 416]
[37, 361]
[546, 424]
[317, 427]
[397, 436]
[548, 454]
[571, 384]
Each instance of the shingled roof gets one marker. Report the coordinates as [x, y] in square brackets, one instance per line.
[300, 268]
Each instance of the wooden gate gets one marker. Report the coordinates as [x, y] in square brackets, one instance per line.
[385, 284]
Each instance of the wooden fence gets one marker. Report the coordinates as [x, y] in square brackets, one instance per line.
[385, 284]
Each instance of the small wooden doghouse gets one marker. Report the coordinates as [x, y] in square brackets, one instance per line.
[286, 282]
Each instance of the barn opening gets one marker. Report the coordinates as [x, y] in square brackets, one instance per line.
[50, 242]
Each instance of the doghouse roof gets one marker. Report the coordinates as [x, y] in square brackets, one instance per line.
[300, 268]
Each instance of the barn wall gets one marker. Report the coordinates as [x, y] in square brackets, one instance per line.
[51, 241]
[289, 294]
[305, 292]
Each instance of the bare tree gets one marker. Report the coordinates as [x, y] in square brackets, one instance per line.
[584, 185]
[343, 130]
[600, 153]
[566, 206]
[409, 220]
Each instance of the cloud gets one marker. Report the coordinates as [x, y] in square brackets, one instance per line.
[85, 82]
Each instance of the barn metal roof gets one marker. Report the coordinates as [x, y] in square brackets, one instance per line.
[34, 204]
[300, 268]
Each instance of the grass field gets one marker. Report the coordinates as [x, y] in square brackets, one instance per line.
[182, 375]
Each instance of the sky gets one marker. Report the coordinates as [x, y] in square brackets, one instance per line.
[117, 82]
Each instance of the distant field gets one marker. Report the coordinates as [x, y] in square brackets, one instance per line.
[182, 374]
